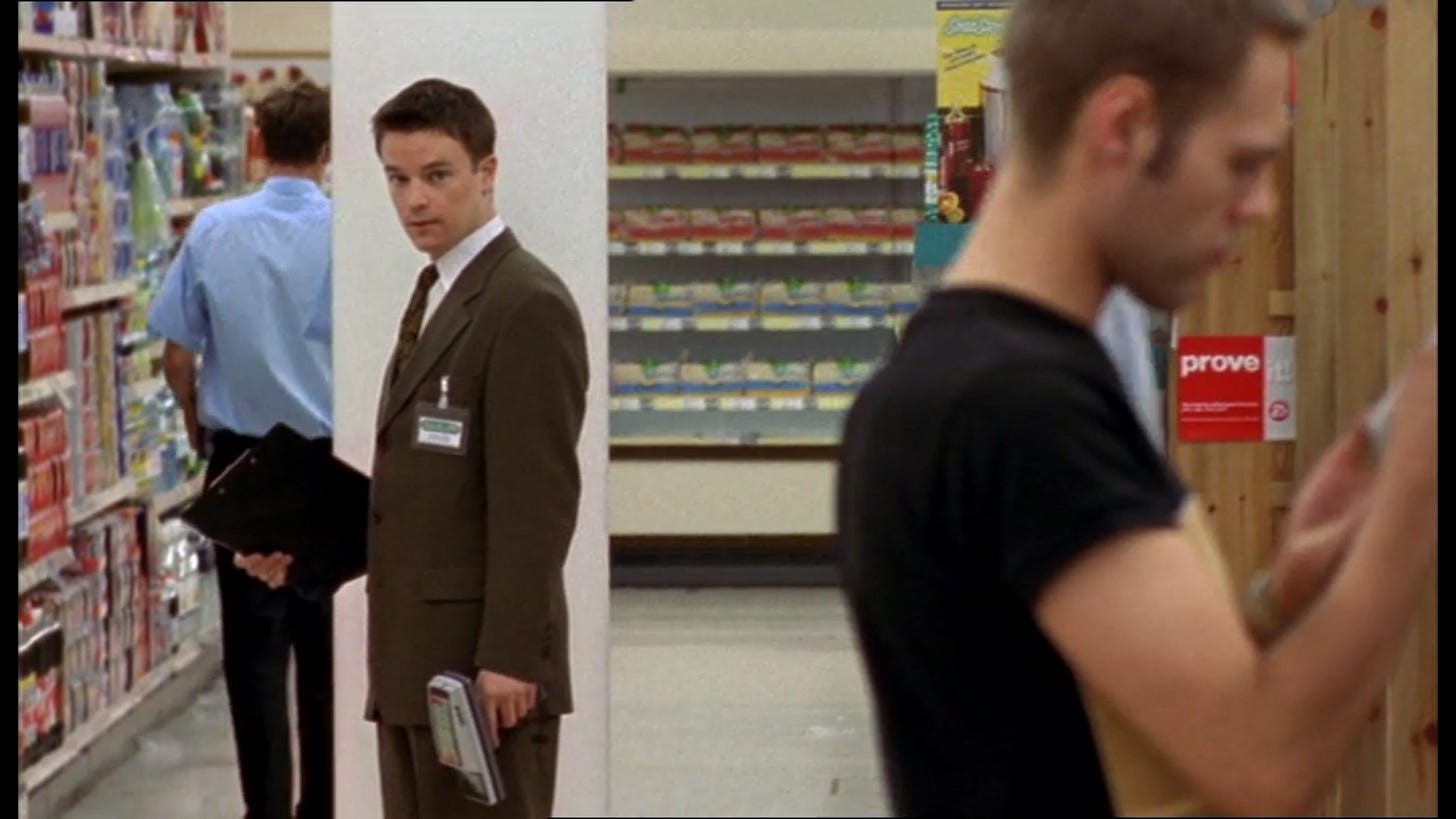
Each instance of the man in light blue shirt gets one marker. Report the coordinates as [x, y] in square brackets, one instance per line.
[240, 294]
[1125, 328]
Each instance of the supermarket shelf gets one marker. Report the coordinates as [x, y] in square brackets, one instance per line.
[98, 502]
[189, 661]
[700, 324]
[61, 220]
[46, 387]
[139, 390]
[824, 170]
[174, 498]
[690, 403]
[762, 248]
[188, 208]
[34, 574]
[117, 57]
[91, 295]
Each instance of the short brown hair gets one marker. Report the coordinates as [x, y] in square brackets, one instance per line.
[294, 123]
[1058, 51]
[437, 105]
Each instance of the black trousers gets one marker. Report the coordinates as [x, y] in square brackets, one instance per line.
[261, 627]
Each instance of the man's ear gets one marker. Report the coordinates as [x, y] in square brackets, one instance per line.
[1119, 123]
[487, 170]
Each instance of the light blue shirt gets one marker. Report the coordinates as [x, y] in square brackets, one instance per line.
[1124, 327]
[241, 292]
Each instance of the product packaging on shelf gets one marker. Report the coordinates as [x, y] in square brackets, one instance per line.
[656, 224]
[724, 144]
[792, 297]
[712, 377]
[660, 299]
[902, 223]
[856, 297]
[792, 225]
[656, 144]
[777, 379]
[907, 144]
[645, 377]
[616, 299]
[843, 376]
[904, 298]
[968, 32]
[725, 298]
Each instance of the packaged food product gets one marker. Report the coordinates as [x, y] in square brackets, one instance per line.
[841, 225]
[841, 376]
[902, 223]
[856, 297]
[712, 377]
[873, 225]
[791, 296]
[725, 298]
[904, 298]
[659, 299]
[777, 379]
[645, 377]
[908, 144]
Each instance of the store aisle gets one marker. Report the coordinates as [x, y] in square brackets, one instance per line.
[725, 702]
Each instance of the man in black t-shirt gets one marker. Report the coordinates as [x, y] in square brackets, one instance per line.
[1012, 542]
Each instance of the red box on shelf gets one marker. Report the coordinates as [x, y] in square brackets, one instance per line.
[805, 144]
[47, 532]
[656, 144]
[739, 225]
[873, 225]
[656, 224]
[705, 225]
[875, 144]
[792, 225]
[902, 223]
[614, 145]
[908, 144]
[841, 225]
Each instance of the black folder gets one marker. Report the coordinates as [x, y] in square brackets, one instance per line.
[290, 494]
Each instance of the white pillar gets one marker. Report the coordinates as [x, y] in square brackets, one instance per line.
[541, 69]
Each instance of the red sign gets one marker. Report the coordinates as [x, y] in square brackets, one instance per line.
[1221, 388]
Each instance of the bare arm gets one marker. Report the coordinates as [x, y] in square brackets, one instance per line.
[179, 365]
[1145, 624]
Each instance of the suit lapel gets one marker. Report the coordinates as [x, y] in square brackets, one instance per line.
[451, 319]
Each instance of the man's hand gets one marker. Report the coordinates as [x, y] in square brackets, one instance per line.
[271, 569]
[507, 701]
[1322, 525]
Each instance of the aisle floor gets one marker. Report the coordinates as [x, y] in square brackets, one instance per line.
[725, 702]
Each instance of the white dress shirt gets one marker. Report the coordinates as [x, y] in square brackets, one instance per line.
[453, 263]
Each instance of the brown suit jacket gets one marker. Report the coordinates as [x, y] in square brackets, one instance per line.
[466, 551]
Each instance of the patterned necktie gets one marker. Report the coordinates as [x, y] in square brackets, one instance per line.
[413, 321]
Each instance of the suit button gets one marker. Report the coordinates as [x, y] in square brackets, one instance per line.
[376, 517]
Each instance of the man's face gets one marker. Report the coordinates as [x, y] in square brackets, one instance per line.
[1167, 232]
[440, 195]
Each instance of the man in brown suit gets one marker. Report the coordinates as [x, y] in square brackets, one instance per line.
[476, 480]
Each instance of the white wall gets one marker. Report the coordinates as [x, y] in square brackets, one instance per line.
[541, 69]
[687, 36]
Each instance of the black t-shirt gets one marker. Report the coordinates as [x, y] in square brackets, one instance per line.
[995, 446]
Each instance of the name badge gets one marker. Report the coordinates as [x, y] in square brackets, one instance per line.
[440, 427]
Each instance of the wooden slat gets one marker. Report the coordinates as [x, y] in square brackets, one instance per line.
[1317, 175]
[1410, 282]
[1362, 306]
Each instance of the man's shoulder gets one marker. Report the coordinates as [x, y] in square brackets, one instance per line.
[523, 276]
